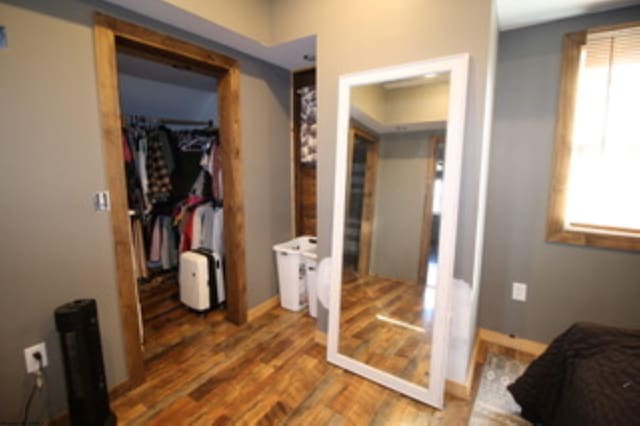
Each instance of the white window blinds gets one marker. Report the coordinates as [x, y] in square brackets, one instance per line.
[604, 173]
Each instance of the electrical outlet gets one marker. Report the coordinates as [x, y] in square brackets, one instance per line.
[31, 362]
[519, 292]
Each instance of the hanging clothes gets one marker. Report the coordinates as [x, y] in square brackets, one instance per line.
[158, 167]
[207, 228]
[135, 198]
[141, 164]
[212, 162]
[197, 226]
[218, 231]
[163, 253]
[174, 180]
[187, 232]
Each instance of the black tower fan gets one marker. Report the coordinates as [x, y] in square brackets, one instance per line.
[77, 323]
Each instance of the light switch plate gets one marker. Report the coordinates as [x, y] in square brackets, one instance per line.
[102, 201]
[519, 292]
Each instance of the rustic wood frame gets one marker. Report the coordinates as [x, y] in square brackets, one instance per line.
[111, 34]
[427, 220]
[368, 199]
[301, 78]
[556, 230]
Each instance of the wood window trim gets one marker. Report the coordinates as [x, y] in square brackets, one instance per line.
[556, 230]
[110, 33]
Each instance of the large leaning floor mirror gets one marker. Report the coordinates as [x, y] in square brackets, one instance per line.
[398, 160]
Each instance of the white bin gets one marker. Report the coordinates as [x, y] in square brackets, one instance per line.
[292, 271]
[311, 277]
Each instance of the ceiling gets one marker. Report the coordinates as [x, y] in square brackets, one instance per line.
[511, 14]
[521, 13]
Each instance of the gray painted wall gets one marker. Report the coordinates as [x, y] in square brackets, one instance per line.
[158, 99]
[566, 283]
[55, 247]
[399, 205]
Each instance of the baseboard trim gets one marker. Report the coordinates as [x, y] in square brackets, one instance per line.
[320, 337]
[463, 390]
[263, 308]
[456, 389]
[119, 390]
[512, 342]
[115, 392]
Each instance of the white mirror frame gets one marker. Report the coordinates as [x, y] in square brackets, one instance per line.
[457, 66]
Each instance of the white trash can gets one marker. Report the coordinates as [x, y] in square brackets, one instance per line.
[292, 271]
[311, 277]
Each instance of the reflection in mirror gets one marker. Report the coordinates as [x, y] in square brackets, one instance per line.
[391, 224]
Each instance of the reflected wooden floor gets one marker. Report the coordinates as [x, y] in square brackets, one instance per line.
[387, 324]
[268, 372]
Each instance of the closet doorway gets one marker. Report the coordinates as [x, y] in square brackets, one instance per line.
[117, 41]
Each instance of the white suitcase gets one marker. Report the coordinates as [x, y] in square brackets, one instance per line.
[201, 280]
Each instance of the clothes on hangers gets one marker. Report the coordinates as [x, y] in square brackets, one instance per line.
[207, 227]
[176, 190]
[159, 166]
[163, 253]
[212, 163]
[216, 172]
[135, 197]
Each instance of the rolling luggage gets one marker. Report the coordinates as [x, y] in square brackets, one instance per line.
[201, 280]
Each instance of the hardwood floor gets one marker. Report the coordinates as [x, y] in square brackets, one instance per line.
[160, 306]
[386, 323]
[269, 371]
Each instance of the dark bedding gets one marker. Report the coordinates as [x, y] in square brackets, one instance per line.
[589, 375]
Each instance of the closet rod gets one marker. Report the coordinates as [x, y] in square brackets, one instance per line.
[188, 122]
[168, 120]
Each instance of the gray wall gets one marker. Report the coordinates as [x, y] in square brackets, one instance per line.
[399, 205]
[566, 283]
[55, 247]
[157, 99]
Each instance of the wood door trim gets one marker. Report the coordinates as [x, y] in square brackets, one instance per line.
[427, 218]
[368, 202]
[348, 274]
[301, 78]
[108, 32]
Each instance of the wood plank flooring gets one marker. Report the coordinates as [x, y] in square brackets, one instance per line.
[386, 323]
[166, 321]
[159, 296]
[267, 372]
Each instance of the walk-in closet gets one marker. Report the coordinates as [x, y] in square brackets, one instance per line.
[174, 180]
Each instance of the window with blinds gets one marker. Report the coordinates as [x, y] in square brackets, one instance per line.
[596, 188]
[604, 173]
